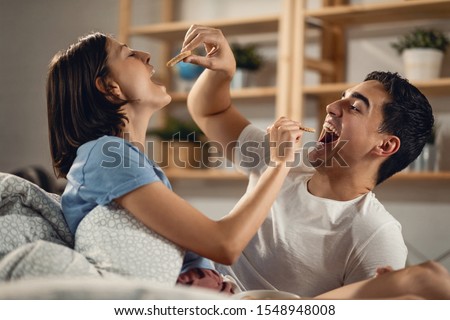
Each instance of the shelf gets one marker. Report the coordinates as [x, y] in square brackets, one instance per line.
[422, 176]
[432, 87]
[216, 174]
[204, 174]
[244, 93]
[175, 31]
[382, 12]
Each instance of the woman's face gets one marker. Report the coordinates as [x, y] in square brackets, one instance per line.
[132, 73]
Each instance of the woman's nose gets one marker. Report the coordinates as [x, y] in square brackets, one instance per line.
[145, 56]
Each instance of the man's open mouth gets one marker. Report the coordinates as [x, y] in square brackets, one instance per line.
[329, 133]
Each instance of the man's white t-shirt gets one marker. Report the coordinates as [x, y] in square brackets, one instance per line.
[310, 245]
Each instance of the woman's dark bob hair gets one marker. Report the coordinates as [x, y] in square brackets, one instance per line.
[78, 111]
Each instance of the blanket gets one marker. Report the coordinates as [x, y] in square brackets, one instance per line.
[109, 243]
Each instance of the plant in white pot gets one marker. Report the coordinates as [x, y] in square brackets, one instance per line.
[248, 60]
[422, 51]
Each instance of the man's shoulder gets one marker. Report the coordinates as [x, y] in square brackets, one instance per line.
[372, 214]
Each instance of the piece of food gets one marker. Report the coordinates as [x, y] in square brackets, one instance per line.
[307, 129]
[179, 57]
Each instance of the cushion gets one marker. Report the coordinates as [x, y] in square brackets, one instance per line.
[116, 242]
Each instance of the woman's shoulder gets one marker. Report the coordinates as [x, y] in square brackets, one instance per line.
[104, 142]
[104, 146]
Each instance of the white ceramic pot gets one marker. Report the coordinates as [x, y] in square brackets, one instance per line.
[422, 63]
[240, 79]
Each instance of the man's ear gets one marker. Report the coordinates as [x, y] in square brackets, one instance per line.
[388, 146]
[109, 88]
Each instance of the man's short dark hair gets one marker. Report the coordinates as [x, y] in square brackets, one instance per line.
[408, 115]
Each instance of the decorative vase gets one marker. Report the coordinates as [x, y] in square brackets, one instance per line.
[189, 71]
[422, 63]
[240, 79]
[187, 74]
[427, 160]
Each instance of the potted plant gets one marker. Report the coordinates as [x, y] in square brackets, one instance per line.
[247, 61]
[180, 144]
[422, 51]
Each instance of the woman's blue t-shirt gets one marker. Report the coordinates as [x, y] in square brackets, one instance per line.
[106, 169]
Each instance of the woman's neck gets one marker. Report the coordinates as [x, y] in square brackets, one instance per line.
[135, 129]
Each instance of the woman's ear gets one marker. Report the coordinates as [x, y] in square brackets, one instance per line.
[387, 146]
[109, 88]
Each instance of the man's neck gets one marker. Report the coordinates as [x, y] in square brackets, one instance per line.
[341, 186]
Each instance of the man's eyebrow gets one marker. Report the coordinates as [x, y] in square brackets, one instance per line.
[358, 96]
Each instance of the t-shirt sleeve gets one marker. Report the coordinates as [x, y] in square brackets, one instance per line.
[193, 260]
[252, 153]
[114, 168]
[384, 248]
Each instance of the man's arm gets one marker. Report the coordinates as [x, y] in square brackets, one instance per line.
[209, 101]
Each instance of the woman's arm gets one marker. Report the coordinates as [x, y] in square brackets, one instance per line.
[209, 100]
[428, 280]
[223, 241]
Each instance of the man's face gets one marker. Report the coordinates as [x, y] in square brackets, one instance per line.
[350, 130]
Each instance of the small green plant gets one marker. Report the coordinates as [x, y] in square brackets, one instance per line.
[422, 38]
[176, 129]
[247, 57]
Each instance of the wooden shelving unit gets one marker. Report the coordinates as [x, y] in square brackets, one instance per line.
[245, 93]
[204, 174]
[218, 174]
[293, 26]
[383, 12]
[169, 32]
[334, 18]
[432, 87]
[175, 31]
[422, 176]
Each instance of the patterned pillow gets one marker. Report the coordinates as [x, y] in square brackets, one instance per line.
[115, 242]
[27, 214]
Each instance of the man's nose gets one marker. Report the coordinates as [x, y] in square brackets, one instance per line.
[334, 109]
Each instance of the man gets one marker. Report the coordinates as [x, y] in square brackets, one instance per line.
[327, 229]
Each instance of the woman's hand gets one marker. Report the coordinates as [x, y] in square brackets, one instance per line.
[382, 270]
[219, 56]
[284, 136]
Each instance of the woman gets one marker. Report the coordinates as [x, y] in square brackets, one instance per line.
[100, 94]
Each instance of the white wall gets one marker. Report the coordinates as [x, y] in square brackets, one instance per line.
[33, 30]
